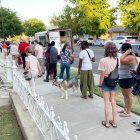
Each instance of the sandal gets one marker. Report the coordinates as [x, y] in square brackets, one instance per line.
[90, 96]
[84, 97]
[124, 114]
[121, 111]
[104, 124]
[137, 124]
[137, 130]
[111, 123]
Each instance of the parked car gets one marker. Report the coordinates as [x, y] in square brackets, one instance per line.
[125, 39]
[99, 42]
[89, 40]
[135, 48]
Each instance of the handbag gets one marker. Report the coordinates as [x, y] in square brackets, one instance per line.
[71, 60]
[27, 74]
[112, 79]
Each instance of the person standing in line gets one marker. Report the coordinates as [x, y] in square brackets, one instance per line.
[136, 92]
[32, 46]
[85, 70]
[33, 66]
[14, 51]
[21, 49]
[0, 47]
[128, 63]
[4, 48]
[106, 66]
[65, 55]
[39, 54]
[52, 64]
[47, 61]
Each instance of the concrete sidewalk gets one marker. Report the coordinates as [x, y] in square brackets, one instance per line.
[84, 116]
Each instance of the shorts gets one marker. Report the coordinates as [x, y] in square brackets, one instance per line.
[106, 88]
[4, 50]
[126, 83]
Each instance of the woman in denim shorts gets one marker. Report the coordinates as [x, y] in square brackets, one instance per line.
[107, 65]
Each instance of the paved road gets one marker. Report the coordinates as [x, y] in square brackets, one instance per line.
[98, 52]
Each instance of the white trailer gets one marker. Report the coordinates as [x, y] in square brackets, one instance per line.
[59, 36]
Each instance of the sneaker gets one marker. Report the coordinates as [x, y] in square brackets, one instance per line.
[47, 80]
[136, 124]
[137, 130]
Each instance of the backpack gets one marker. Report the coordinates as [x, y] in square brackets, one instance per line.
[112, 79]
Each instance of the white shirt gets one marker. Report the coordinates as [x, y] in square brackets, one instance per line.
[39, 49]
[14, 50]
[86, 61]
[33, 64]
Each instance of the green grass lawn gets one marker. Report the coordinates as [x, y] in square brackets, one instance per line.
[9, 129]
[119, 97]
[120, 102]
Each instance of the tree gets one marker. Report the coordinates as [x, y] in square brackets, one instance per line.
[33, 25]
[130, 14]
[10, 23]
[87, 17]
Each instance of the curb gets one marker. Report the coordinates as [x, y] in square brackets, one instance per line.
[28, 127]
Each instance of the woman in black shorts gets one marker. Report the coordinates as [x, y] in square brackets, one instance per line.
[128, 63]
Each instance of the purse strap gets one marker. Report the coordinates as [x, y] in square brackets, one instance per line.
[88, 54]
[29, 63]
[114, 69]
[117, 63]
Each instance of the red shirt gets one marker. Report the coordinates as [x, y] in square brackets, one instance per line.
[22, 46]
[4, 46]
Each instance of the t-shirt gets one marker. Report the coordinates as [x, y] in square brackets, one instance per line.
[4, 46]
[39, 48]
[33, 63]
[22, 46]
[53, 52]
[86, 61]
[65, 56]
[107, 64]
[14, 50]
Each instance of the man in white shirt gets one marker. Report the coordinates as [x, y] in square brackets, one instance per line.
[39, 54]
[85, 70]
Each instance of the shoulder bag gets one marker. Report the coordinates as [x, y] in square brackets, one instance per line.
[27, 74]
[112, 79]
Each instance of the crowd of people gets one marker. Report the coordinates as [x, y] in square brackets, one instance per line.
[35, 59]
[128, 64]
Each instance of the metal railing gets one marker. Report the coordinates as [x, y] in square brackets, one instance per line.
[5, 83]
[50, 126]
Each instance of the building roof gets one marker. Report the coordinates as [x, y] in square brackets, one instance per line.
[117, 29]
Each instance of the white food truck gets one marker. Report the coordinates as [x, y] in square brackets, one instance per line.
[59, 36]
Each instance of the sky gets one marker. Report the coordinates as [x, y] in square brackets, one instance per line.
[40, 9]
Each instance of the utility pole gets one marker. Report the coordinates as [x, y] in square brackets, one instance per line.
[2, 22]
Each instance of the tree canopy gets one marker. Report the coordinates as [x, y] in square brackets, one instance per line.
[11, 23]
[130, 14]
[33, 25]
[86, 17]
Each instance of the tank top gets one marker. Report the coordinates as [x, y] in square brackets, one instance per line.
[124, 71]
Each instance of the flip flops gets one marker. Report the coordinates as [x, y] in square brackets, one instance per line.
[124, 114]
[137, 124]
[111, 123]
[121, 111]
[104, 124]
